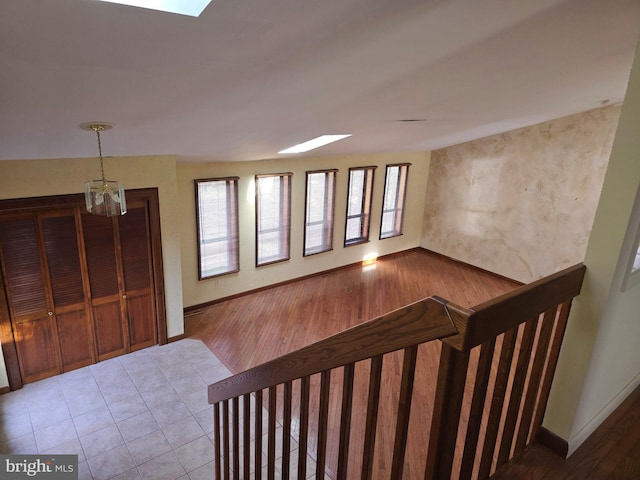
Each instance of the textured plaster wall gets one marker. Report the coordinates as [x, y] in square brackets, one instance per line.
[251, 277]
[521, 203]
[34, 178]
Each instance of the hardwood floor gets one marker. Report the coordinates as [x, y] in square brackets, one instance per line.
[253, 329]
[612, 452]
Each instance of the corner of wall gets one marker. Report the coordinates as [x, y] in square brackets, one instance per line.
[600, 362]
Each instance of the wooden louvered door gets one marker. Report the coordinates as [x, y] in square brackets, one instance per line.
[135, 248]
[118, 254]
[76, 288]
[30, 304]
[68, 289]
[104, 274]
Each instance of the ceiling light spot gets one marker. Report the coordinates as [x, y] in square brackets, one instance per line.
[314, 143]
[192, 8]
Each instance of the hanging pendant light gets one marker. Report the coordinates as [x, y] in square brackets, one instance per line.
[103, 197]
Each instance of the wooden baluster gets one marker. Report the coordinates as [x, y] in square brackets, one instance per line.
[517, 388]
[246, 434]
[236, 438]
[286, 430]
[345, 421]
[476, 411]
[225, 438]
[533, 387]
[304, 427]
[404, 410]
[257, 458]
[554, 353]
[271, 435]
[497, 403]
[323, 420]
[452, 374]
[373, 402]
[216, 440]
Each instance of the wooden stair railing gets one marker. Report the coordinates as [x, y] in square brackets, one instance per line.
[516, 338]
[496, 365]
[404, 328]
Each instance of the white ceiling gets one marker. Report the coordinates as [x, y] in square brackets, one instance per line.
[251, 77]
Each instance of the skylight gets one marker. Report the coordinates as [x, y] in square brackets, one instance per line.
[193, 8]
[314, 143]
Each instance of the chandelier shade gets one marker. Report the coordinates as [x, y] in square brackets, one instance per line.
[103, 197]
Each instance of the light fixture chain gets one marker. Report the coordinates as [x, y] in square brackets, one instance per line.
[100, 152]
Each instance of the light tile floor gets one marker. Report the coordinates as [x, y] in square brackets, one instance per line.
[143, 416]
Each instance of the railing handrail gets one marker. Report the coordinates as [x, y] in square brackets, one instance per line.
[423, 321]
[498, 315]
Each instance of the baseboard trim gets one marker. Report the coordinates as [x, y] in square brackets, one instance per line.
[176, 338]
[469, 265]
[4, 390]
[608, 415]
[193, 308]
[553, 442]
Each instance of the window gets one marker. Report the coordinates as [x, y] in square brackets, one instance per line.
[395, 187]
[359, 205]
[320, 201]
[217, 221]
[273, 215]
[632, 270]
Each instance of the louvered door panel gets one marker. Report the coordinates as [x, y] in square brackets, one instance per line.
[61, 246]
[141, 320]
[136, 264]
[65, 274]
[110, 339]
[32, 320]
[101, 255]
[37, 346]
[23, 268]
[76, 339]
[102, 261]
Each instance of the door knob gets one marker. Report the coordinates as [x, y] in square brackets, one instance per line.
[124, 296]
[50, 314]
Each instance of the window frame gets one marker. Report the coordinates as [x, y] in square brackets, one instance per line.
[285, 199]
[631, 276]
[233, 228]
[329, 205]
[365, 206]
[399, 200]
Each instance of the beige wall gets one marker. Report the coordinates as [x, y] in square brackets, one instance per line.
[600, 360]
[198, 292]
[521, 203]
[31, 178]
